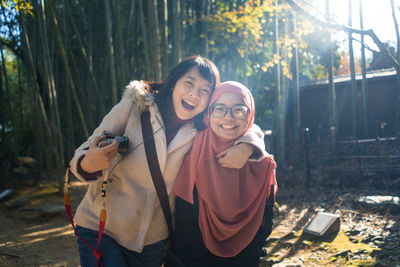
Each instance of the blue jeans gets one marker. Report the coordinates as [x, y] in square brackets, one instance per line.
[113, 254]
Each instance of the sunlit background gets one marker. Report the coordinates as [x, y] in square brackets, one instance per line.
[377, 15]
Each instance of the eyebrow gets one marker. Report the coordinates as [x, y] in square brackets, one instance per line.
[238, 104]
[194, 79]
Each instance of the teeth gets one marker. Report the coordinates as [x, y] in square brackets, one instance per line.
[230, 126]
[189, 103]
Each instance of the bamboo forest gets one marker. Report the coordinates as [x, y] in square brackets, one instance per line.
[324, 76]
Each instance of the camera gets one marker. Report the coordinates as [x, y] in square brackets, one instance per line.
[122, 141]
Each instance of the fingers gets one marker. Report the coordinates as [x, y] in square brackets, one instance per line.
[226, 165]
[223, 162]
[113, 147]
[111, 150]
[97, 140]
[105, 149]
[222, 153]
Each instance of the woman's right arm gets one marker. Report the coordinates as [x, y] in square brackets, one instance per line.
[89, 159]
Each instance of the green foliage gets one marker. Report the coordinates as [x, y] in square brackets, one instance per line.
[244, 31]
[18, 5]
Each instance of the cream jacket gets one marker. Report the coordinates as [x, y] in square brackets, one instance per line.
[134, 215]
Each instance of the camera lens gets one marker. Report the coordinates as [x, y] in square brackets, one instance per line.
[123, 145]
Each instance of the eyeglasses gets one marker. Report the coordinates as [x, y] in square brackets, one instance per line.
[238, 111]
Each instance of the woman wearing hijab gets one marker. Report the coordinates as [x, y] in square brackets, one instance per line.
[223, 215]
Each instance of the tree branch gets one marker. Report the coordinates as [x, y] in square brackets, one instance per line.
[296, 7]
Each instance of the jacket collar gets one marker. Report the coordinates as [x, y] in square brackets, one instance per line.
[185, 135]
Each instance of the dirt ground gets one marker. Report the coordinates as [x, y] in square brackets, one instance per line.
[368, 236]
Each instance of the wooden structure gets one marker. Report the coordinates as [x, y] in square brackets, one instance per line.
[381, 107]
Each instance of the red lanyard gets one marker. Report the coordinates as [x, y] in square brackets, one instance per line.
[67, 204]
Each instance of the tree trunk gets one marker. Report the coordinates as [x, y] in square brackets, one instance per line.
[20, 92]
[128, 39]
[245, 59]
[146, 46]
[120, 45]
[57, 141]
[110, 49]
[86, 58]
[2, 109]
[154, 43]
[396, 28]
[68, 73]
[39, 114]
[332, 91]
[164, 37]
[297, 122]
[183, 24]
[10, 109]
[176, 32]
[353, 75]
[278, 137]
[364, 90]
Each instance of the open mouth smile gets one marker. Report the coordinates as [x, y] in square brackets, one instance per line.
[188, 105]
[228, 126]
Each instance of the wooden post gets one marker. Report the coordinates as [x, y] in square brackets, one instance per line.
[364, 92]
[353, 75]
[332, 91]
[377, 147]
[297, 119]
[278, 137]
[306, 156]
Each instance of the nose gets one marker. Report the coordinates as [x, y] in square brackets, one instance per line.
[195, 92]
[229, 114]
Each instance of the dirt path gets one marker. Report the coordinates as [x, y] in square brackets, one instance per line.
[368, 237]
[27, 238]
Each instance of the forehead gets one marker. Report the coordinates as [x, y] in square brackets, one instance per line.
[194, 74]
[229, 99]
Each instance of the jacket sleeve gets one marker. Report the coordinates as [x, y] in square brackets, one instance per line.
[115, 121]
[255, 137]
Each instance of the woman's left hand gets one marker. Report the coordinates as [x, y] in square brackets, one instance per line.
[235, 156]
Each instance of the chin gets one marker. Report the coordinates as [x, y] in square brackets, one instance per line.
[227, 137]
[185, 117]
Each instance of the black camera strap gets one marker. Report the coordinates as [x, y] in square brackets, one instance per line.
[152, 161]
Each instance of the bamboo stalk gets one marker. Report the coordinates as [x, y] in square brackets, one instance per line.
[164, 37]
[89, 69]
[110, 48]
[353, 75]
[58, 147]
[153, 39]
[10, 109]
[68, 73]
[364, 89]
[145, 38]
